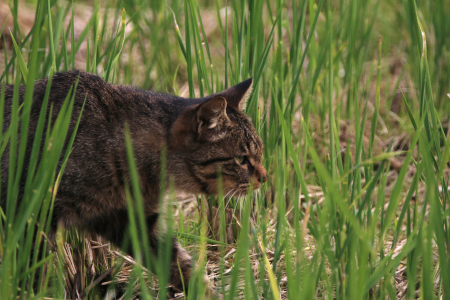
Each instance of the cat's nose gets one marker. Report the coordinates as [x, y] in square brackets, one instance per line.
[261, 173]
[263, 178]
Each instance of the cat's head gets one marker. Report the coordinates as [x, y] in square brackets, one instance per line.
[215, 137]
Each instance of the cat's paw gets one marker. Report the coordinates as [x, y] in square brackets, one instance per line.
[211, 293]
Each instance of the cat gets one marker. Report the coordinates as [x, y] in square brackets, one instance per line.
[201, 137]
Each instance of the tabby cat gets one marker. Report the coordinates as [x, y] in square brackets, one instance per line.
[201, 137]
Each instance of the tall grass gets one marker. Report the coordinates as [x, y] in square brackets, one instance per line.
[356, 205]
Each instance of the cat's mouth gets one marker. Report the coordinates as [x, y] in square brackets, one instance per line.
[238, 192]
[241, 190]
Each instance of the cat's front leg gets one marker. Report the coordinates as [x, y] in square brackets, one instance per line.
[181, 272]
[180, 266]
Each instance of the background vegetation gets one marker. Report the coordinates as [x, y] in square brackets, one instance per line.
[350, 98]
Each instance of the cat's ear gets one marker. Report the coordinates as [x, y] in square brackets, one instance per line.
[211, 117]
[238, 95]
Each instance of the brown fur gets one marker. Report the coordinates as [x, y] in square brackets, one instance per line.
[200, 136]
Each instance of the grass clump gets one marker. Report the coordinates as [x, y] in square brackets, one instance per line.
[350, 99]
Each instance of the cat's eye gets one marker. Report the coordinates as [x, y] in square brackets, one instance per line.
[240, 159]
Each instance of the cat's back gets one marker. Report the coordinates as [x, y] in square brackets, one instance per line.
[100, 100]
[105, 109]
[90, 90]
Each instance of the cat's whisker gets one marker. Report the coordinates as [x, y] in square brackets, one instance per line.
[228, 193]
[230, 199]
[228, 202]
[233, 194]
[235, 207]
[217, 212]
